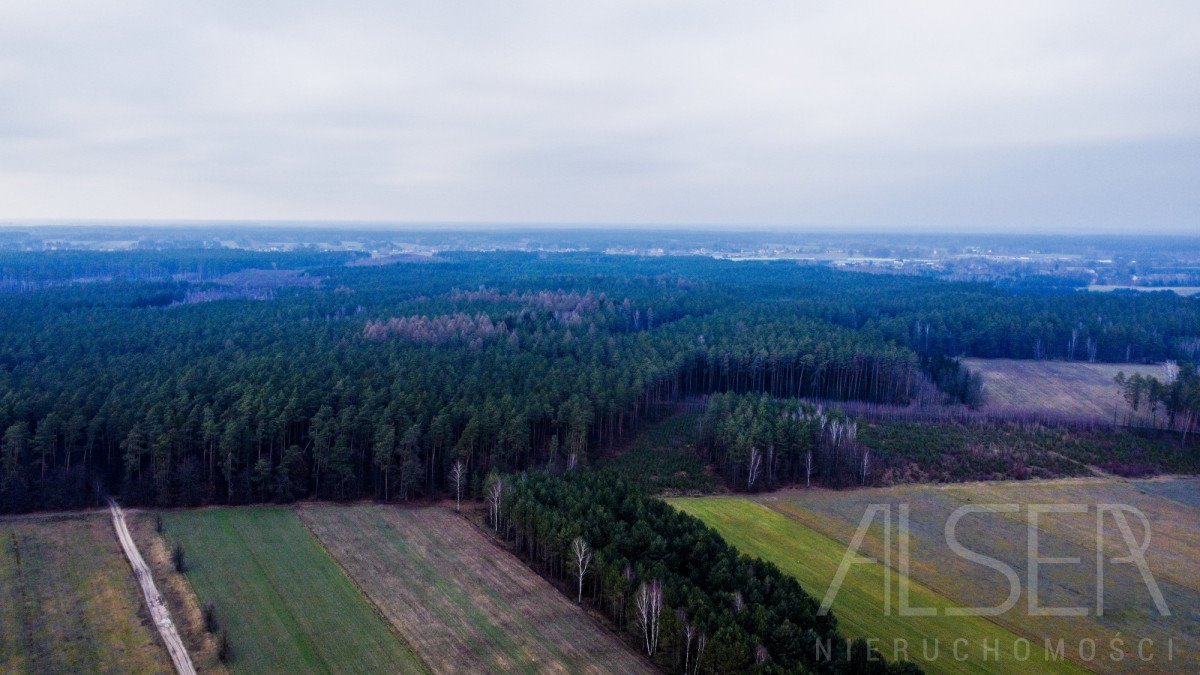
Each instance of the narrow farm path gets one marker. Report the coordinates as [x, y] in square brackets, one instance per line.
[158, 609]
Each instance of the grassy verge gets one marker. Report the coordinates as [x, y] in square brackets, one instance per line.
[186, 610]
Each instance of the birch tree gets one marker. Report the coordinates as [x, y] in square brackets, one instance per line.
[761, 655]
[583, 558]
[649, 603]
[458, 473]
[1170, 371]
[755, 466]
[383, 455]
[495, 500]
[688, 629]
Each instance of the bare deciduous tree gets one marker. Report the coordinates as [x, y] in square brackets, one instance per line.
[458, 473]
[761, 655]
[689, 633]
[701, 643]
[755, 465]
[495, 500]
[649, 602]
[583, 558]
[1170, 372]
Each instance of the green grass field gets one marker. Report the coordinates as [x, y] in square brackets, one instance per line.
[69, 602]
[813, 558]
[286, 604]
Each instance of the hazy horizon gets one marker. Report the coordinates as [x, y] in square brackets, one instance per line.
[500, 226]
[1074, 118]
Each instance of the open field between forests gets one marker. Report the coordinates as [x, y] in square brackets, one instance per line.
[1129, 611]
[813, 558]
[69, 602]
[1057, 389]
[285, 603]
[1177, 290]
[465, 605]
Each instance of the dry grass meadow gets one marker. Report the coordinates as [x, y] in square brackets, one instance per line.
[466, 605]
[69, 602]
[1071, 389]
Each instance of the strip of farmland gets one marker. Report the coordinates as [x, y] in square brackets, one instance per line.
[466, 605]
[284, 602]
[69, 602]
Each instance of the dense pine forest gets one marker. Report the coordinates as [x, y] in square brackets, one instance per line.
[190, 377]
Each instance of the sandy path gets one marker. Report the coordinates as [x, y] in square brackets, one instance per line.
[158, 610]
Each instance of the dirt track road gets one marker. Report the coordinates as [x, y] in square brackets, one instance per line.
[158, 610]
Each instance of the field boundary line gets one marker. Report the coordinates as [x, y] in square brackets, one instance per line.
[23, 602]
[354, 582]
[158, 609]
[600, 622]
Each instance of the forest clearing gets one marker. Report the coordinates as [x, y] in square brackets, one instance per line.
[284, 602]
[465, 604]
[806, 533]
[69, 602]
[1056, 389]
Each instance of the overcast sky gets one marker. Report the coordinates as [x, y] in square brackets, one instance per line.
[1012, 116]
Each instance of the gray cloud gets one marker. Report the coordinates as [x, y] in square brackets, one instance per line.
[1077, 116]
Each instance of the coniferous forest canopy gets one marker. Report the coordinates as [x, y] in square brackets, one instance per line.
[197, 376]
